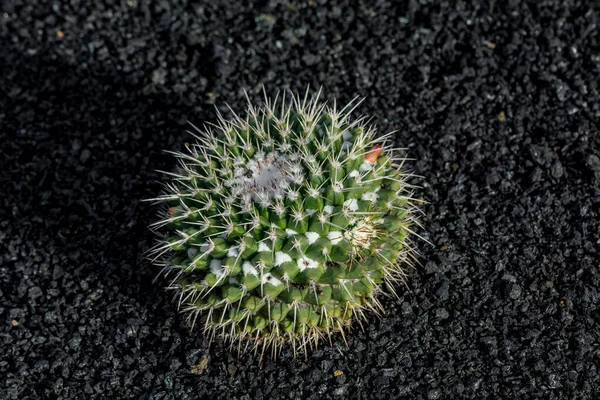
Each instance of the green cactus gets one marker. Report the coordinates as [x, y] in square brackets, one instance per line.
[285, 225]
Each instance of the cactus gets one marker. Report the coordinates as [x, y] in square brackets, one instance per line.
[285, 225]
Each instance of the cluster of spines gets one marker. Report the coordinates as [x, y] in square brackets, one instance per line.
[229, 229]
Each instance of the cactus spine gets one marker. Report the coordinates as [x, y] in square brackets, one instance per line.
[285, 225]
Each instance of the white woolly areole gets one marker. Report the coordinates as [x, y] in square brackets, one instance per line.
[290, 232]
[305, 262]
[354, 173]
[365, 166]
[205, 247]
[328, 209]
[310, 211]
[216, 268]
[192, 251]
[335, 237]
[239, 160]
[312, 237]
[361, 234]
[369, 196]
[281, 257]
[262, 247]
[347, 135]
[351, 204]
[270, 279]
[248, 269]
[232, 252]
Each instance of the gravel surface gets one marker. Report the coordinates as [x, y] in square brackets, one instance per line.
[498, 105]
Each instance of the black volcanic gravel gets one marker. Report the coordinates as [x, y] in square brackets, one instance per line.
[498, 104]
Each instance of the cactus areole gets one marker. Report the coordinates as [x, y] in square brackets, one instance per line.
[285, 225]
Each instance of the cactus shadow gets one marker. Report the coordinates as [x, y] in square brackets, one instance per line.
[90, 138]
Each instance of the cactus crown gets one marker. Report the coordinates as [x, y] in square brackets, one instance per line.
[285, 225]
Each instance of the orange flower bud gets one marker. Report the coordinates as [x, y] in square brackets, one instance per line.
[372, 155]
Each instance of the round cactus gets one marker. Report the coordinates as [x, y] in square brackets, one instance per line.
[285, 225]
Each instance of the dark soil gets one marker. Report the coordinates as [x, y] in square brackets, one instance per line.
[498, 105]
